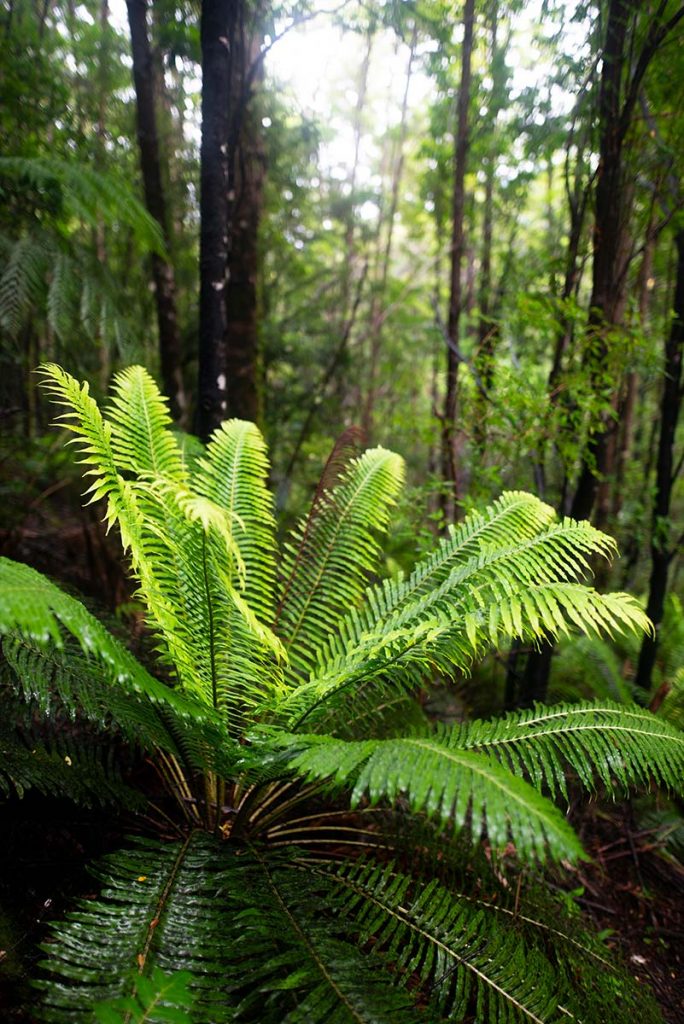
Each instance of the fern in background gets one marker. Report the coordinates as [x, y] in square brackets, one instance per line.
[331, 856]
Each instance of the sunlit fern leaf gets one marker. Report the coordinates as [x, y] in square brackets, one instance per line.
[233, 475]
[457, 787]
[331, 554]
[490, 600]
[183, 547]
[141, 438]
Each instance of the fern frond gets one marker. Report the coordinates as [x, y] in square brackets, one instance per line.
[474, 964]
[526, 591]
[22, 281]
[92, 196]
[147, 917]
[244, 928]
[64, 767]
[182, 546]
[332, 553]
[140, 437]
[466, 963]
[99, 679]
[233, 475]
[618, 744]
[159, 997]
[456, 787]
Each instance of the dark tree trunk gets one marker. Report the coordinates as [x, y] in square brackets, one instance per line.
[231, 197]
[150, 164]
[610, 220]
[245, 193]
[661, 552]
[608, 236]
[450, 435]
[217, 28]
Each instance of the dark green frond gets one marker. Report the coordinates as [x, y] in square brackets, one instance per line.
[250, 933]
[70, 767]
[165, 998]
[90, 195]
[332, 553]
[481, 961]
[22, 281]
[162, 906]
[455, 787]
[620, 745]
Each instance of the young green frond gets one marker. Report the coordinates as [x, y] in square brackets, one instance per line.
[141, 440]
[332, 553]
[233, 476]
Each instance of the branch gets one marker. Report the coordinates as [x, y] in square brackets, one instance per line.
[451, 344]
[656, 34]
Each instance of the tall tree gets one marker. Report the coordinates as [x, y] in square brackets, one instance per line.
[231, 195]
[170, 352]
[450, 434]
[618, 95]
[663, 548]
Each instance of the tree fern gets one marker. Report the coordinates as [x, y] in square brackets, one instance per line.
[325, 836]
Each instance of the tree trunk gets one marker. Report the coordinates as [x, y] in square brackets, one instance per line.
[609, 225]
[611, 216]
[451, 442]
[150, 164]
[377, 314]
[231, 199]
[661, 552]
[217, 28]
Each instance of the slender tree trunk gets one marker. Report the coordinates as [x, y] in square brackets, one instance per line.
[661, 528]
[609, 226]
[246, 173]
[379, 295]
[217, 28]
[450, 436]
[611, 216]
[155, 200]
[231, 196]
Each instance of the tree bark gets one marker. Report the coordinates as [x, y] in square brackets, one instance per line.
[661, 552]
[231, 199]
[217, 28]
[150, 164]
[450, 435]
[246, 173]
[608, 244]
